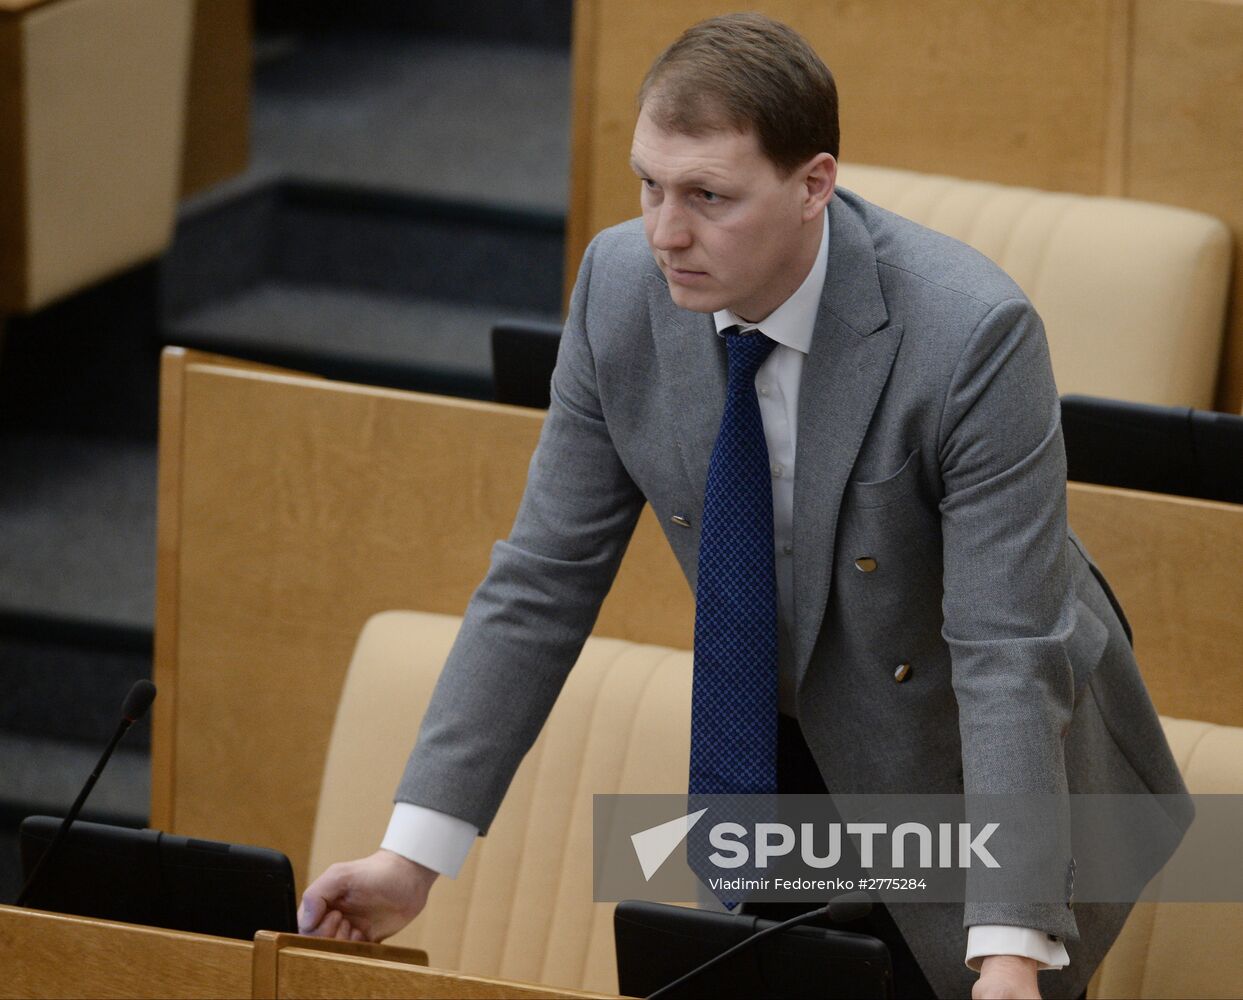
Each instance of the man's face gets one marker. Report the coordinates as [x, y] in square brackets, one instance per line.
[725, 227]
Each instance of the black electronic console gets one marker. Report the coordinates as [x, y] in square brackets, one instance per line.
[158, 879]
[658, 945]
[1161, 449]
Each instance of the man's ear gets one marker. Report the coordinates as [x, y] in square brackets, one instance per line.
[819, 178]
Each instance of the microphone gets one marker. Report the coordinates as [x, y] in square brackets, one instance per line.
[135, 706]
[840, 909]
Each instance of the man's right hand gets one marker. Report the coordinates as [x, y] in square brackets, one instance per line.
[365, 900]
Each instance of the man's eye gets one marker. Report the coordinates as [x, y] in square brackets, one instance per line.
[648, 183]
[709, 196]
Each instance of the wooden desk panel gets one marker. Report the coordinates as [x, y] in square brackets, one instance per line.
[291, 510]
[52, 955]
[1174, 564]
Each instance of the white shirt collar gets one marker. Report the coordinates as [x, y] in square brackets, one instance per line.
[792, 322]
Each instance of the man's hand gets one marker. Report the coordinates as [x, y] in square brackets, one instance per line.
[1006, 977]
[365, 900]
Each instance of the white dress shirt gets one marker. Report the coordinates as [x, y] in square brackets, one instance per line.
[442, 842]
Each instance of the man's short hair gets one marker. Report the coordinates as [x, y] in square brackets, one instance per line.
[744, 72]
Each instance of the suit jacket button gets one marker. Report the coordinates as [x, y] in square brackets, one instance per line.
[680, 521]
[902, 673]
[865, 564]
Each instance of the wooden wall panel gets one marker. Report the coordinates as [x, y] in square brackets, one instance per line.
[944, 87]
[1140, 98]
[1185, 133]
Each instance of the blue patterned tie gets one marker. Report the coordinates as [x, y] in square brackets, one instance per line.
[734, 699]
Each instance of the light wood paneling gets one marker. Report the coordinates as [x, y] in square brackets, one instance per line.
[1174, 565]
[313, 974]
[51, 955]
[948, 87]
[1142, 98]
[1186, 130]
[291, 510]
[271, 947]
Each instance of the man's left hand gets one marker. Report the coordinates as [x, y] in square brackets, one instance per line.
[1006, 977]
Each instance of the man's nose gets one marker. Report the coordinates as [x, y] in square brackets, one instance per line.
[671, 231]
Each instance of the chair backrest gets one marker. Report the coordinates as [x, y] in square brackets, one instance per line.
[1174, 450]
[523, 356]
[1133, 295]
[1184, 949]
[521, 908]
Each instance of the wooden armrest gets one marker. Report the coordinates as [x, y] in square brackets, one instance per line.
[269, 944]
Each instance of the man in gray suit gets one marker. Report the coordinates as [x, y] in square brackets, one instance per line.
[939, 628]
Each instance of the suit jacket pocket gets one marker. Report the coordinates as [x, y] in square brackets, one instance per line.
[881, 492]
[1086, 644]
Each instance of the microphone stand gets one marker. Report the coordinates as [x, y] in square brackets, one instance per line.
[136, 704]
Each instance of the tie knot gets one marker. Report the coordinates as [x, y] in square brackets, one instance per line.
[747, 351]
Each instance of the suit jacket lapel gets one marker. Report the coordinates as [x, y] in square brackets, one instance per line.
[694, 365]
[852, 352]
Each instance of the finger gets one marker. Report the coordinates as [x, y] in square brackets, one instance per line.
[357, 935]
[310, 913]
[328, 926]
[344, 931]
[321, 896]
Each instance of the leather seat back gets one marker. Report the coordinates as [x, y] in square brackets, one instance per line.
[1133, 295]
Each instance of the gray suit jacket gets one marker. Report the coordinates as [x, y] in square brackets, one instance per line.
[928, 440]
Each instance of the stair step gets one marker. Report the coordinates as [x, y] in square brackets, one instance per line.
[43, 777]
[480, 122]
[77, 528]
[421, 344]
[259, 229]
[67, 680]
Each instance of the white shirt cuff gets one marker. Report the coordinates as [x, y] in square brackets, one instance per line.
[999, 939]
[430, 838]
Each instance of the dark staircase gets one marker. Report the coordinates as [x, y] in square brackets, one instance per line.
[407, 192]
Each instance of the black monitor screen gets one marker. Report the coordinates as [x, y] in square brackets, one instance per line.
[658, 943]
[160, 880]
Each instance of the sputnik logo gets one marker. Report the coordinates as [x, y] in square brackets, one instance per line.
[654, 845]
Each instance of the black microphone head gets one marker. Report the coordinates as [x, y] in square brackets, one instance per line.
[139, 699]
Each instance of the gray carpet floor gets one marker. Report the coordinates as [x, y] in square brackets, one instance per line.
[78, 538]
[362, 326]
[61, 769]
[479, 122]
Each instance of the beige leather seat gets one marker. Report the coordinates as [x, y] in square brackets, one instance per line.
[1184, 949]
[1133, 295]
[521, 909]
